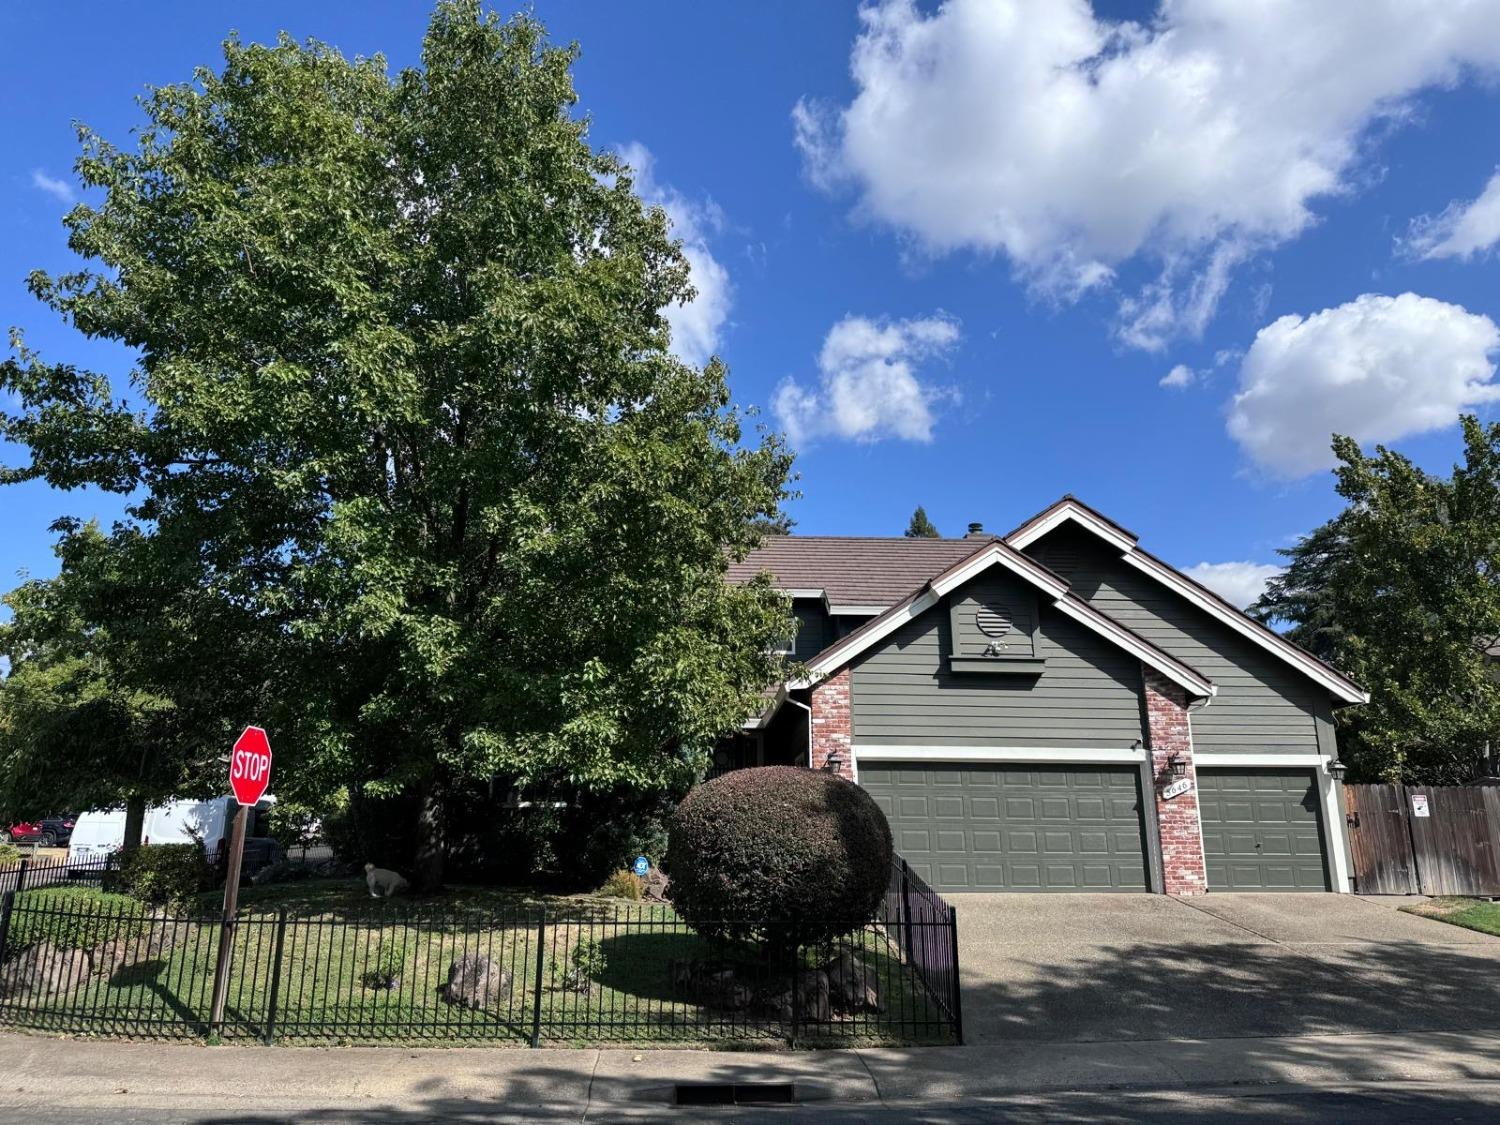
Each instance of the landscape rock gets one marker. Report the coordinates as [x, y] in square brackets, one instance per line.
[658, 888]
[43, 969]
[852, 985]
[804, 998]
[476, 982]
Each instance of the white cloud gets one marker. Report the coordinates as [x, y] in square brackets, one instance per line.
[1378, 368]
[1239, 583]
[1073, 144]
[869, 387]
[697, 327]
[1462, 230]
[53, 186]
[1179, 377]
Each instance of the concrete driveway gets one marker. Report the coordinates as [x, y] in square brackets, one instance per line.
[1124, 967]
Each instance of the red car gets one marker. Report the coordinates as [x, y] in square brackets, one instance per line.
[50, 831]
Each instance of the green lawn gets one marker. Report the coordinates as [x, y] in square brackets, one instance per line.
[1471, 913]
[336, 942]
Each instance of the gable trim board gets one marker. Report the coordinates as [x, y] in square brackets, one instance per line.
[1050, 754]
[998, 553]
[1074, 511]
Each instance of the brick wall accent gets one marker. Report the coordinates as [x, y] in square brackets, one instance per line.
[832, 725]
[1181, 832]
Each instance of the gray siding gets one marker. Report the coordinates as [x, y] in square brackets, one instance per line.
[1263, 704]
[1000, 595]
[814, 631]
[1089, 695]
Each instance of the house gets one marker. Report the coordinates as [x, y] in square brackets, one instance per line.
[1057, 709]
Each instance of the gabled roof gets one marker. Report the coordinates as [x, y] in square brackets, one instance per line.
[851, 572]
[991, 553]
[1072, 510]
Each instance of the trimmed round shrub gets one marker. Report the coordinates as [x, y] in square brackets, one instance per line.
[778, 855]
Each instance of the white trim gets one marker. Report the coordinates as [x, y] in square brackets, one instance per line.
[857, 610]
[1060, 755]
[1179, 674]
[883, 628]
[811, 592]
[1070, 510]
[1305, 663]
[1250, 761]
[1328, 800]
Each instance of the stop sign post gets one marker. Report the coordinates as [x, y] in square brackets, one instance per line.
[249, 777]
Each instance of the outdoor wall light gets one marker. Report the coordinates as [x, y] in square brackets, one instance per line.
[1337, 770]
[834, 763]
[1177, 765]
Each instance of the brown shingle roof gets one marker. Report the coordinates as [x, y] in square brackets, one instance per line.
[853, 570]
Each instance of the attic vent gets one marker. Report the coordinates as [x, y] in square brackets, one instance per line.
[992, 622]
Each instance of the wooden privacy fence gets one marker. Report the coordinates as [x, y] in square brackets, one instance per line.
[1424, 839]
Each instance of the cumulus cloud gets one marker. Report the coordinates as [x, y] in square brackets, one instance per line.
[1463, 229]
[1179, 378]
[1238, 583]
[1073, 144]
[869, 386]
[698, 325]
[57, 188]
[1378, 368]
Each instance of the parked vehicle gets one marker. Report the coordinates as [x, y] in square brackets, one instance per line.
[49, 831]
[101, 833]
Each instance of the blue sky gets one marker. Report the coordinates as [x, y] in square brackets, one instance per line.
[956, 249]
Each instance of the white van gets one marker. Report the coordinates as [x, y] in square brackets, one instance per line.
[101, 833]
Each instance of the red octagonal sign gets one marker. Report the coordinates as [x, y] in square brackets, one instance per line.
[250, 766]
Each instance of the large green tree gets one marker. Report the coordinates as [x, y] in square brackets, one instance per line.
[920, 527]
[405, 408]
[1402, 591]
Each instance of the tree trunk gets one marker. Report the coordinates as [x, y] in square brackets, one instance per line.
[135, 823]
[427, 870]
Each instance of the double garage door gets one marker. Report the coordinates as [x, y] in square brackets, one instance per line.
[1081, 828]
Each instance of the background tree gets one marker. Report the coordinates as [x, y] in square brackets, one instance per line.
[1400, 591]
[920, 526]
[406, 410]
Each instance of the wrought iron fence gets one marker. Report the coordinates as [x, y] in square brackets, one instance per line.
[530, 973]
[37, 872]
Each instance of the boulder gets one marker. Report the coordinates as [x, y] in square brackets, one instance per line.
[852, 985]
[476, 982]
[804, 998]
[43, 969]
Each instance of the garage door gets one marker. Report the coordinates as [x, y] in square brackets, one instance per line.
[1262, 830]
[1015, 828]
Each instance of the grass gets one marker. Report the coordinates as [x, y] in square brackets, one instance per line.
[336, 941]
[1470, 913]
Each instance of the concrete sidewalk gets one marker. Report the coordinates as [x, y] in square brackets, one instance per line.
[102, 1080]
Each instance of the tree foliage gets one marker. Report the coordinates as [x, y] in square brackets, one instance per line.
[921, 527]
[405, 424]
[1400, 591]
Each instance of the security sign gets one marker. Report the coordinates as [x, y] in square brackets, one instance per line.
[250, 766]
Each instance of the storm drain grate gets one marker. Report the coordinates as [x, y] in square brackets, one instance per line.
[736, 1093]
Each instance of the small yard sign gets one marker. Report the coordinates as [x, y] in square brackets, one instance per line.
[642, 866]
[1419, 804]
[1177, 788]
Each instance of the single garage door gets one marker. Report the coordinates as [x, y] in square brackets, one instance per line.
[1262, 830]
[1015, 828]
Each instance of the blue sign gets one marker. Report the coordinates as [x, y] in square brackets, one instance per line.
[642, 866]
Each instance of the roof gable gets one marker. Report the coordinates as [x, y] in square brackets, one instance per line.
[998, 553]
[1071, 511]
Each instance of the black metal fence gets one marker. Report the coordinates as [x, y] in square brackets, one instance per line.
[36, 872]
[529, 973]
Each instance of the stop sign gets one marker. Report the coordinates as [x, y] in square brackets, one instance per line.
[250, 766]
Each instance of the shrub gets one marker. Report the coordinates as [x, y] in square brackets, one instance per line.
[10, 855]
[166, 875]
[388, 961]
[586, 964]
[779, 855]
[624, 884]
[73, 918]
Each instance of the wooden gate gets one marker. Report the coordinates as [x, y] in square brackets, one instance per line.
[1431, 840]
[1379, 840]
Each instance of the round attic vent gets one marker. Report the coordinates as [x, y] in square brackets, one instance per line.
[992, 622]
